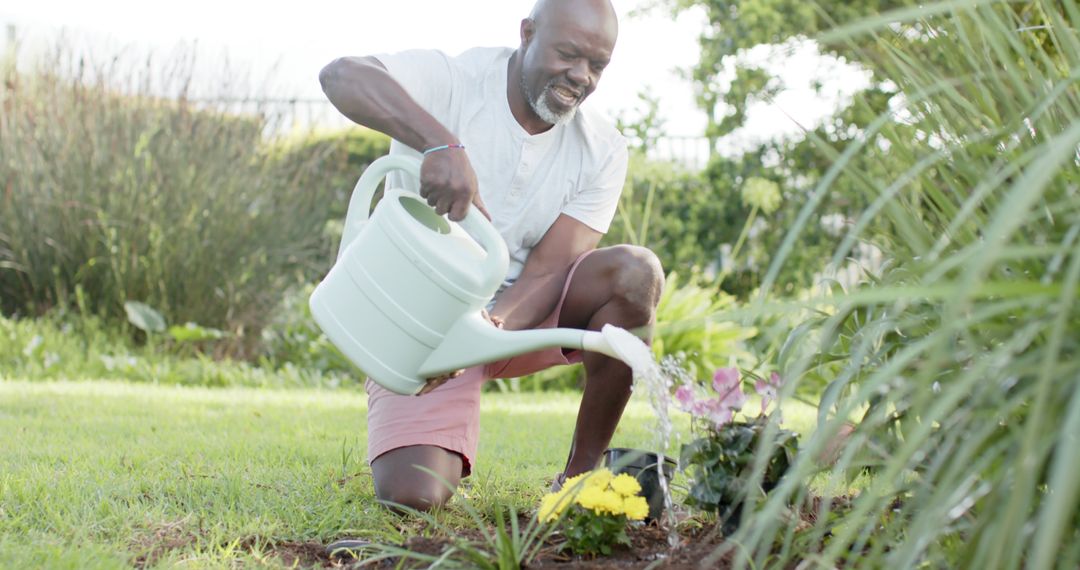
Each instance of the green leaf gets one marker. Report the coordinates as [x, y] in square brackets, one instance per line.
[192, 332]
[144, 317]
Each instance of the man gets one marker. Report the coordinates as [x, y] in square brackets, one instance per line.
[502, 130]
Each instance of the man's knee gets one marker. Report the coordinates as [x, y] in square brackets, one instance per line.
[418, 477]
[639, 278]
[419, 498]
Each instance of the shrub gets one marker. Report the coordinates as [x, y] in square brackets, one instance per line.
[135, 195]
[672, 211]
[292, 338]
[720, 460]
[688, 331]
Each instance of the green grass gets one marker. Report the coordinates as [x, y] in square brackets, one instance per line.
[105, 474]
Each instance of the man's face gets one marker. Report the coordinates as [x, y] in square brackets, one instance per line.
[563, 58]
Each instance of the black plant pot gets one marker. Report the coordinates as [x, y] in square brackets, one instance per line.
[642, 466]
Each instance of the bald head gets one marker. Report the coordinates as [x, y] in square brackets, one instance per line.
[599, 14]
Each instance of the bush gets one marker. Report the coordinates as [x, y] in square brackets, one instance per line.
[720, 459]
[120, 194]
[688, 332]
[294, 339]
[671, 211]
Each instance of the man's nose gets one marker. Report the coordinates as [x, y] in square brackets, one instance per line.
[579, 73]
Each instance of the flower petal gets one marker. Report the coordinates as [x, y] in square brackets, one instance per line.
[724, 379]
[685, 396]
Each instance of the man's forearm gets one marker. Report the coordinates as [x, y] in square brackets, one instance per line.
[366, 93]
[542, 293]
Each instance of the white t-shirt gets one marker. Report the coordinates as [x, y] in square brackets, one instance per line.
[525, 181]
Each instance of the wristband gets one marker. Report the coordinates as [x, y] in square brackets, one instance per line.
[442, 147]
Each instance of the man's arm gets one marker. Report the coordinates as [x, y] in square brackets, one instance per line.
[544, 275]
[363, 90]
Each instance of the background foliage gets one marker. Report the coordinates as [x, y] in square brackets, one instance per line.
[960, 163]
[112, 196]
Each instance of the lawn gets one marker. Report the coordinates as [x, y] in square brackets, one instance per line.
[104, 474]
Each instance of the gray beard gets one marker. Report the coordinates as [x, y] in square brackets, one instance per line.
[540, 107]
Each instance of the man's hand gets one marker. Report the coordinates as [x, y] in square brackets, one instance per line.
[437, 381]
[448, 183]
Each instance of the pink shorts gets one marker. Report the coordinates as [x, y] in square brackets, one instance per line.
[449, 416]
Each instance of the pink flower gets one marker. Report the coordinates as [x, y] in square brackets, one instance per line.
[685, 396]
[767, 389]
[716, 411]
[724, 379]
[727, 385]
[721, 409]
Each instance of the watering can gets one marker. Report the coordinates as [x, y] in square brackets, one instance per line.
[404, 300]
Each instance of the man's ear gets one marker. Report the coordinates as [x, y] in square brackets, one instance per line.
[528, 30]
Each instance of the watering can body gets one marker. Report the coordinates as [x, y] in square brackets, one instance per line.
[404, 299]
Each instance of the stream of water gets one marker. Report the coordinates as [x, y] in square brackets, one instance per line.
[657, 381]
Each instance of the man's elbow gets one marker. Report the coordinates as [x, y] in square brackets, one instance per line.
[348, 70]
[331, 72]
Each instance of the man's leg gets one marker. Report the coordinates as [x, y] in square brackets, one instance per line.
[618, 285]
[437, 431]
[398, 481]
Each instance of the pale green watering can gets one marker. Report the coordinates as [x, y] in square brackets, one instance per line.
[403, 301]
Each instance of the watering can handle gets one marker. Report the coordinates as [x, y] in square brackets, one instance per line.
[497, 261]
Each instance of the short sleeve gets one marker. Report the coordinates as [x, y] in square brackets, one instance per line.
[426, 75]
[597, 201]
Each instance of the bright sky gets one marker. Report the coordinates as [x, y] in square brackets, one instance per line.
[300, 37]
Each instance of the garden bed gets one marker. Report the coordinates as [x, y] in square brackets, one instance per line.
[648, 549]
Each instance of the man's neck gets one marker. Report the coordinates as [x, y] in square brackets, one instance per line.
[519, 104]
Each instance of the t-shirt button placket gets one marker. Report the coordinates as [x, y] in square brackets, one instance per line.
[520, 179]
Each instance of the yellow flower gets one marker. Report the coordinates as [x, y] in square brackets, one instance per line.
[552, 505]
[574, 481]
[591, 498]
[635, 508]
[611, 502]
[599, 478]
[625, 485]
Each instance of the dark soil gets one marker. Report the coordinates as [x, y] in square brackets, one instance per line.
[697, 544]
[301, 554]
[648, 549]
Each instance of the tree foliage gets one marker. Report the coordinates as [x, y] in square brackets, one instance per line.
[727, 84]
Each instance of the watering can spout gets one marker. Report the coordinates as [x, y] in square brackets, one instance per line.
[474, 340]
